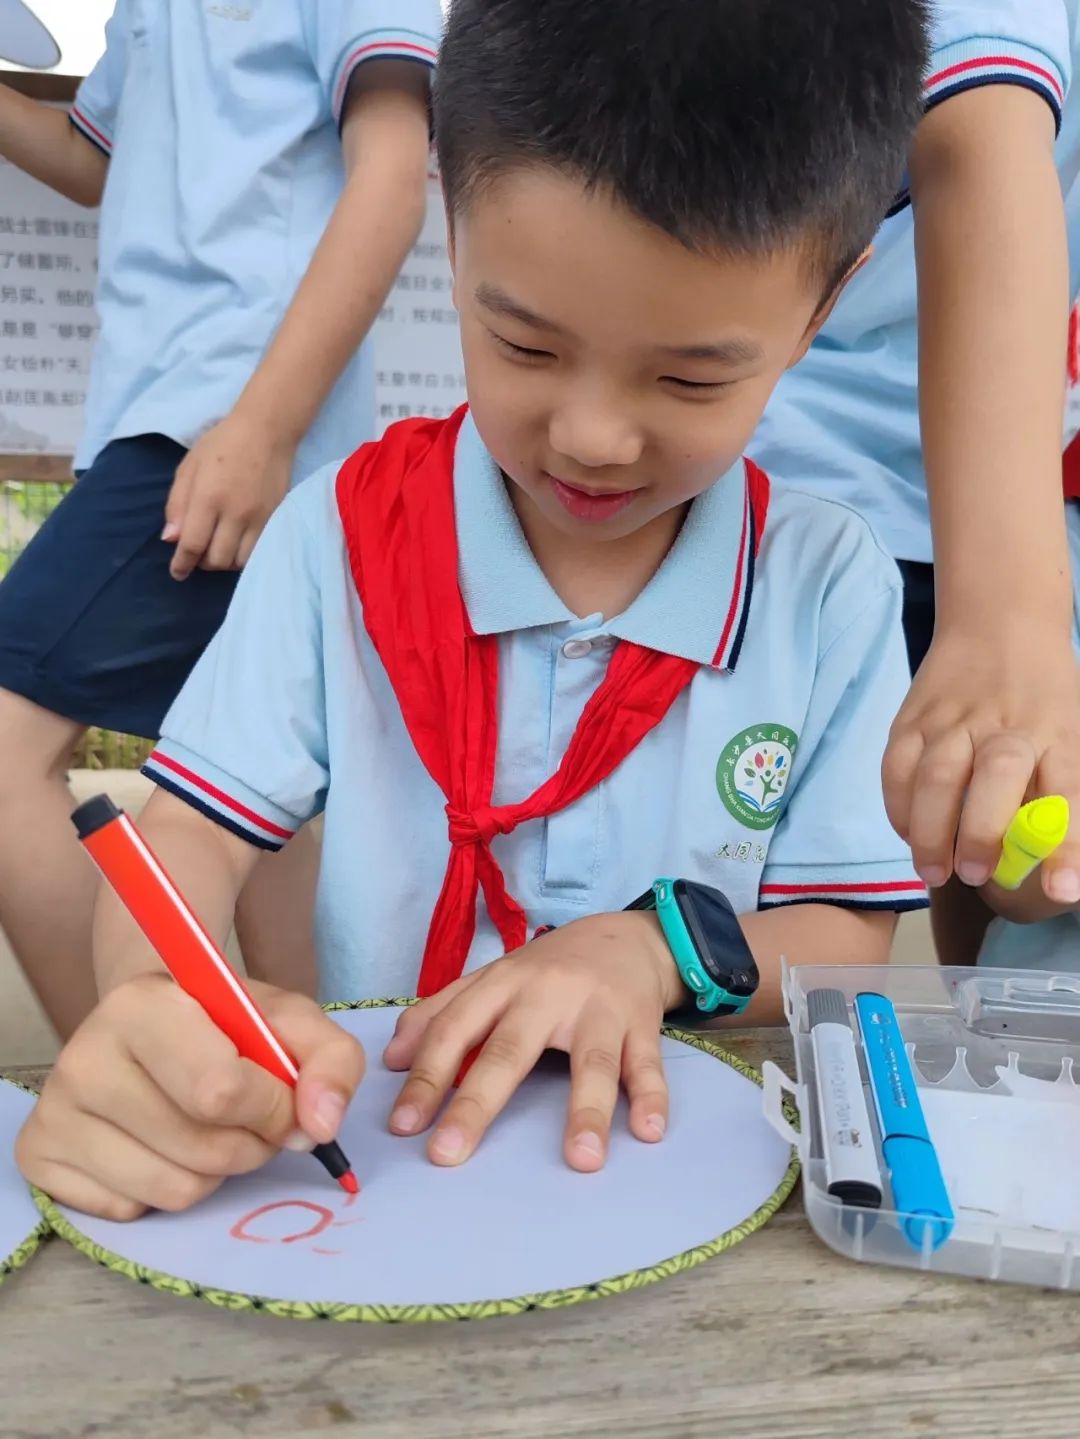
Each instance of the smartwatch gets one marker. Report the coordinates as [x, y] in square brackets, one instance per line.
[707, 944]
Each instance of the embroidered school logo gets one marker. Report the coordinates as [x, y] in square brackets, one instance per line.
[752, 773]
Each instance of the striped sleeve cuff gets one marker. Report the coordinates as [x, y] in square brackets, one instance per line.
[220, 797]
[887, 886]
[390, 44]
[988, 60]
[93, 132]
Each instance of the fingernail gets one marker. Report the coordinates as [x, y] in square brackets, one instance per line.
[588, 1145]
[656, 1126]
[1064, 886]
[448, 1145]
[933, 876]
[170, 532]
[298, 1142]
[973, 874]
[330, 1111]
[405, 1119]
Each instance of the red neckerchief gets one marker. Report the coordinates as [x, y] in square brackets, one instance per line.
[396, 501]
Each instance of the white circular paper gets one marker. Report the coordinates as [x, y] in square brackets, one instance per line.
[24, 40]
[21, 1226]
[513, 1228]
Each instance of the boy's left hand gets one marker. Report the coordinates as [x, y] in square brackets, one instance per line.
[597, 989]
[226, 488]
[987, 724]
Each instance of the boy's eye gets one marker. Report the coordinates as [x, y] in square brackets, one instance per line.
[519, 352]
[702, 387]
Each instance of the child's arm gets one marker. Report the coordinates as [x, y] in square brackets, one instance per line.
[44, 143]
[598, 989]
[237, 473]
[149, 1105]
[993, 716]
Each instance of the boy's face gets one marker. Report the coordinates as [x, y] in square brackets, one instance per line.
[612, 373]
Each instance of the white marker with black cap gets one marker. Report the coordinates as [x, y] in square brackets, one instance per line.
[852, 1172]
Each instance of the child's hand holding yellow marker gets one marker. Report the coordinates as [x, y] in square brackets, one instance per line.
[1034, 834]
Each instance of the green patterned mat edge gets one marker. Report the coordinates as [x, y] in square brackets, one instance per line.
[25, 1251]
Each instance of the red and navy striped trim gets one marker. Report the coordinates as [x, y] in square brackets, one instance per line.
[995, 69]
[755, 513]
[213, 802]
[392, 47]
[90, 130]
[901, 894]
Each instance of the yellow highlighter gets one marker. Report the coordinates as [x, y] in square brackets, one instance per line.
[1037, 830]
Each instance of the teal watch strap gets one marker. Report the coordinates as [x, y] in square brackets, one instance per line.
[710, 997]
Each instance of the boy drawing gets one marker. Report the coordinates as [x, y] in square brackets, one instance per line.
[529, 659]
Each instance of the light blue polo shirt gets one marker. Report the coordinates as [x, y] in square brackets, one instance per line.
[221, 123]
[844, 423]
[762, 780]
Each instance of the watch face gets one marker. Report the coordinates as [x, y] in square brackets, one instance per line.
[718, 937]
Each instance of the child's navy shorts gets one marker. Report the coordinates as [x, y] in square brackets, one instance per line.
[92, 626]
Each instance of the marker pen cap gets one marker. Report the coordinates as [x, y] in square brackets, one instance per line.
[919, 1193]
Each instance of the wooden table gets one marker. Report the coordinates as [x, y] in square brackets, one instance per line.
[777, 1339]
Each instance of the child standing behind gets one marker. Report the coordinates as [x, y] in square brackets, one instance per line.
[262, 174]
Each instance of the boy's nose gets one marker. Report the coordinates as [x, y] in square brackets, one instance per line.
[593, 437]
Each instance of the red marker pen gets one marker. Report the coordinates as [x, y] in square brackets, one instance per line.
[188, 952]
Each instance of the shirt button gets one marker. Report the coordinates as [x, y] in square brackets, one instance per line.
[577, 649]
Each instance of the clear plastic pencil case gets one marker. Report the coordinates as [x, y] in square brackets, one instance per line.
[992, 1052]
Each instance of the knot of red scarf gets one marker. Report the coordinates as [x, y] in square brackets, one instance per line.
[478, 826]
[396, 502]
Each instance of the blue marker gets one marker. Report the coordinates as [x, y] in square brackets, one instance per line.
[918, 1186]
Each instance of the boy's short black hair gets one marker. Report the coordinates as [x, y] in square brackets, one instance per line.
[733, 125]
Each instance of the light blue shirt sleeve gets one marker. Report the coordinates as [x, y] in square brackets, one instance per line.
[345, 34]
[245, 741]
[835, 805]
[990, 42]
[98, 97]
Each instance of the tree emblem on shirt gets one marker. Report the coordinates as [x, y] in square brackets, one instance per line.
[752, 773]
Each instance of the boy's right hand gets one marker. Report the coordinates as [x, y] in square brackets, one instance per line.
[150, 1107]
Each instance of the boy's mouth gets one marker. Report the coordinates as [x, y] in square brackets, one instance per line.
[590, 504]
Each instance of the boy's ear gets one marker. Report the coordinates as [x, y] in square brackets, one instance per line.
[825, 309]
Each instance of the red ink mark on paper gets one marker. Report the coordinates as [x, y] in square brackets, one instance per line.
[239, 1229]
[316, 1250]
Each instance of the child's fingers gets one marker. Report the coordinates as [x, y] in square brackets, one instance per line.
[1059, 773]
[224, 544]
[331, 1063]
[509, 1054]
[195, 531]
[413, 1021]
[71, 1186]
[1004, 764]
[172, 1040]
[127, 1168]
[646, 1086]
[595, 1068]
[140, 1108]
[454, 1030]
[898, 770]
[177, 502]
[940, 781]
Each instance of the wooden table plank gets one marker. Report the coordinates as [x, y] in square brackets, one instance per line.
[777, 1339]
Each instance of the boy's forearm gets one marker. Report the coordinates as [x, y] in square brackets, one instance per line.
[43, 142]
[372, 229]
[993, 314]
[209, 867]
[809, 934]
